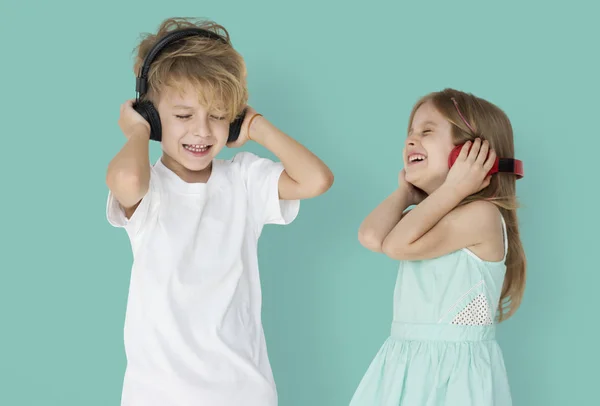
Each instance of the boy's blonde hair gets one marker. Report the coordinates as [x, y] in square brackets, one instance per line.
[214, 68]
[489, 122]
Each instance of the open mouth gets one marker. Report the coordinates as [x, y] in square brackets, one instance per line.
[416, 158]
[197, 149]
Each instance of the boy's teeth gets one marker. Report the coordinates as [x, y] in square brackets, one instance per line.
[196, 148]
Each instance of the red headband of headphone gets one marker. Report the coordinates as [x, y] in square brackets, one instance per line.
[504, 165]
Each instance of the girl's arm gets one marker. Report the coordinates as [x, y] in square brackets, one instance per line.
[436, 226]
[378, 224]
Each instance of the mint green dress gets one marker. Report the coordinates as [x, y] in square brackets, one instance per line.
[442, 349]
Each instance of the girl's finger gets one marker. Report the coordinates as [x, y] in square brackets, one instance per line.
[486, 182]
[483, 153]
[490, 161]
[464, 151]
[475, 150]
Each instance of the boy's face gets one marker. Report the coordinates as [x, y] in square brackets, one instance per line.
[191, 135]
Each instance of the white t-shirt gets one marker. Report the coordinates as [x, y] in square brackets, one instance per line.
[193, 329]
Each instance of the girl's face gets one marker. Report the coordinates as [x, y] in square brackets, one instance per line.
[427, 149]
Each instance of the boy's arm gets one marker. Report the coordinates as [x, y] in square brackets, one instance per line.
[128, 173]
[378, 224]
[305, 175]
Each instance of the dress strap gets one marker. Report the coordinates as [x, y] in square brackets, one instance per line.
[505, 236]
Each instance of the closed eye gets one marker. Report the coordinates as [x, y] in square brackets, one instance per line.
[185, 117]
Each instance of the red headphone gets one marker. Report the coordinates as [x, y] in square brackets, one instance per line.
[504, 165]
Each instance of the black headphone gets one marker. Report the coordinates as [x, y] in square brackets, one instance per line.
[145, 107]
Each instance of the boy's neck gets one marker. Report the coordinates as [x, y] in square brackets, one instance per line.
[184, 173]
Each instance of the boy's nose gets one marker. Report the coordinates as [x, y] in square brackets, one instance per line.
[200, 129]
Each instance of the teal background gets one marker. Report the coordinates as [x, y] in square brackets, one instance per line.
[342, 80]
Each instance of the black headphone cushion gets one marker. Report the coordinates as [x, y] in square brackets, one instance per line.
[146, 109]
[236, 127]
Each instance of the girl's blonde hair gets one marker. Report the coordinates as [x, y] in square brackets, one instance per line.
[214, 68]
[487, 121]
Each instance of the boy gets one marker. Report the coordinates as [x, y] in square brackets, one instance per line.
[193, 330]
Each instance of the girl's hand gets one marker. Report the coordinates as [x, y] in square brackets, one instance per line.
[415, 195]
[469, 174]
[245, 132]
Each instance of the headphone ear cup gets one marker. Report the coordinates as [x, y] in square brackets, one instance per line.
[146, 109]
[236, 127]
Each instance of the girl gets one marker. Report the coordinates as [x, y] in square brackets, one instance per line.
[461, 260]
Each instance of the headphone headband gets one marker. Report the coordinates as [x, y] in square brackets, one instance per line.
[145, 107]
[509, 165]
[501, 165]
[141, 83]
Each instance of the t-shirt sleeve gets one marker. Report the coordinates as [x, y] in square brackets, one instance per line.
[115, 213]
[261, 177]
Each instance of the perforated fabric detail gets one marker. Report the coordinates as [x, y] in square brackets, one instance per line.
[477, 313]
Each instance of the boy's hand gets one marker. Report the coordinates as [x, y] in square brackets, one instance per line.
[131, 122]
[245, 133]
[469, 174]
[415, 195]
